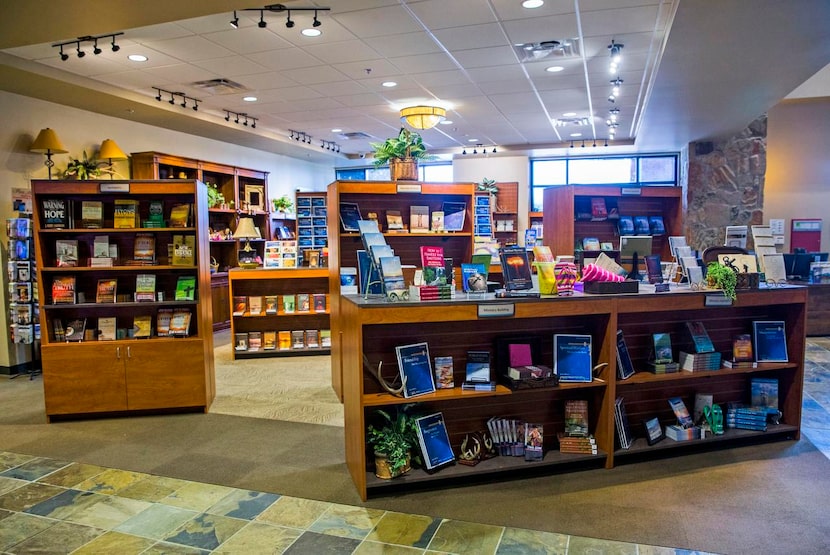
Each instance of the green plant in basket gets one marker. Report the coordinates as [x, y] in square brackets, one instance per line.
[215, 196]
[722, 277]
[406, 145]
[395, 439]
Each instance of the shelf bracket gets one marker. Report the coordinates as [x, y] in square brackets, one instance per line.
[383, 383]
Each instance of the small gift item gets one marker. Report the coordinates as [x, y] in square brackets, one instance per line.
[565, 277]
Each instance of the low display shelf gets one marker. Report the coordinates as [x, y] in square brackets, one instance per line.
[279, 312]
[373, 329]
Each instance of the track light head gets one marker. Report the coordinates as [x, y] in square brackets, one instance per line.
[195, 105]
[115, 47]
[95, 49]
[184, 102]
[237, 119]
[494, 150]
[158, 95]
[289, 23]
[227, 116]
[253, 124]
[235, 21]
[262, 24]
[64, 56]
[315, 22]
[81, 53]
[464, 152]
[172, 99]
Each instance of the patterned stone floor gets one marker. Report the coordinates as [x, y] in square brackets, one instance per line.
[51, 506]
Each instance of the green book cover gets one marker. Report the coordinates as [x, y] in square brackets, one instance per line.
[185, 288]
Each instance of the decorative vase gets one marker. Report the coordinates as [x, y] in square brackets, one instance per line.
[565, 277]
[405, 169]
[383, 470]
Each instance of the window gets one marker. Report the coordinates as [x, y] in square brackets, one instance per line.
[637, 171]
[433, 173]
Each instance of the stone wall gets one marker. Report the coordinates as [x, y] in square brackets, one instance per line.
[726, 186]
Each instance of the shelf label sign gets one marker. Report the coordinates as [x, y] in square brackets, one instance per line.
[409, 187]
[500, 310]
[114, 187]
[717, 300]
[632, 191]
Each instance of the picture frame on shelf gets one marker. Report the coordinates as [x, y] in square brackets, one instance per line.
[255, 197]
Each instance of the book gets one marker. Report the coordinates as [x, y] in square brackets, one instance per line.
[684, 419]
[394, 220]
[142, 326]
[641, 225]
[473, 278]
[144, 248]
[63, 290]
[699, 361]
[106, 328]
[184, 250]
[58, 331]
[477, 368]
[163, 318]
[74, 329]
[625, 367]
[727, 363]
[240, 305]
[288, 304]
[418, 219]
[656, 225]
[92, 214]
[255, 305]
[572, 357]
[432, 262]
[623, 427]
[145, 287]
[180, 322]
[444, 373]
[179, 215]
[105, 292]
[590, 243]
[534, 442]
[515, 268]
[542, 253]
[437, 221]
[312, 339]
[155, 214]
[700, 338]
[348, 280]
[66, 251]
[663, 367]
[769, 341]
[576, 418]
[349, 216]
[21, 291]
[434, 441]
[297, 339]
[101, 246]
[303, 302]
[254, 340]
[271, 304]
[186, 289]
[125, 213]
[325, 339]
[269, 340]
[415, 369]
[240, 341]
[392, 275]
[662, 348]
[55, 213]
[454, 214]
[599, 212]
[284, 340]
[320, 304]
[764, 393]
[679, 433]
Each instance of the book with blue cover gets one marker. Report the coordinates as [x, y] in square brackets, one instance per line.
[770, 341]
[415, 368]
[392, 274]
[572, 357]
[368, 274]
[349, 216]
[434, 441]
[684, 419]
[641, 225]
[764, 393]
[700, 338]
[625, 368]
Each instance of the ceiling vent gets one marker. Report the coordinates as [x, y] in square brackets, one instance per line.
[219, 86]
[553, 49]
[354, 135]
[572, 122]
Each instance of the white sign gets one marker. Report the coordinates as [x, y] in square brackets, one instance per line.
[500, 310]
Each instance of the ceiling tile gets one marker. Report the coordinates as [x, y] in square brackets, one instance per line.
[506, 86]
[389, 20]
[472, 36]
[290, 93]
[189, 49]
[248, 41]
[509, 10]
[179, 73]
[231, 66]
[440, 14]
[133, 79]
[516, 102]
[485, 57]
[266, 80]
[287, 58]
[640, 19]
[497, 73]
[367, 99]
[539, 29]
[378, 68]
[424, 62]
[315, 75]
[340, 88]
[343, 51]
[406, 44]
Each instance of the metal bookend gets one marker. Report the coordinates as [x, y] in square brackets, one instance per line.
[383, 383]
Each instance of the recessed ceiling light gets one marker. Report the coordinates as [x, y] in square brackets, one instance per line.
[336, 130]
[389, 84]
[569, 114]
[554, 69]
[137, 57]
[472, 140]
[311, 32]
[446, 122]
[249, 98]
[530, 4]
[576, 134]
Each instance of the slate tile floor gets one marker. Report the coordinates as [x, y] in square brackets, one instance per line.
[51, 506]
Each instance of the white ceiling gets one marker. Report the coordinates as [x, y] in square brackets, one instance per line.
[690, 70]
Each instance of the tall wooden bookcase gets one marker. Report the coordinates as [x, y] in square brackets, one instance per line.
[378, 197]
[123, 375]
[372, 329]
[238, 186]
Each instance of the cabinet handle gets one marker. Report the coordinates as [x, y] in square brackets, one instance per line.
[129, 353]
[118, 353]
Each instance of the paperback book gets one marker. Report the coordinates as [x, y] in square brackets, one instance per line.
[63, 290]
[477, 369]
[625, 367]
[624, 435]
[576, 418]
[186, 289]
[770, 341]
[432, 262]
[163, 318]
[92, 214]
[572, 357]
[303, 302]
[515, 268]
[105, 292]
[534, 442]
[419, 219]
[434, 441]
[106, 328]
[255, 305]
[415, 369]
[443, 373]
[700, 338]
[67, 252]
[764, 393]
[145, 287]
[684, 419]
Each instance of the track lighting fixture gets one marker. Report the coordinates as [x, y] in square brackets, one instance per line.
[184, 101]
[195, 105]
[227, 116]
[464, 152]
[158, 95]
[616, 56]
[88, 38]
[280, 8]
[615, 87]
[245, 118]
[173, 95]
[172, 98]
[479, 149]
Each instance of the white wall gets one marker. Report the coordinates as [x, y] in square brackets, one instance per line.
[80, 130]
[499, 168]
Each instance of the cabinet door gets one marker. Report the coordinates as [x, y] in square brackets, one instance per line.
[220, 302]
[164, 374]
[84, 378]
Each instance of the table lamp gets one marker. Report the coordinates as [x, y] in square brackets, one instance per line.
[47, 143]
[245, 229]
[111, 151]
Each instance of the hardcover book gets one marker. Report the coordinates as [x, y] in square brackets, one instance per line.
[419, 219]
[684, 419]
[144, 247]
[63, 290]
[434, 441]
[415, 369]
[163, 319]
[92, 214]
[67, 252]
[641, 225]
[625, 225]
[742, 348]
[534, 442]
[105, 292]
[515, 268]
[186, 289]
[432, 262]
[145, 287]
[55, 213]
[770, 341]
[106, 328]
[349, 216]
[576, 418]
[180, 322]
[625, 367]
[394, 220]
[125, 213]
[656, 225]
[572, 357]
[444, 373]
[764, 392]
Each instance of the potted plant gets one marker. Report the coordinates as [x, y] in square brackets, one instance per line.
[393, 442]
[723, 278]
[282, 204]
[489, 186]
[86, 168]
[402, 154]
[215, 196]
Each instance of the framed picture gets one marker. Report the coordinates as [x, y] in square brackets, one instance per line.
[654, 431]
[255, 197]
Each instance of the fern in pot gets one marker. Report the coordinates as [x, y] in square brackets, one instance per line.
[402, 153]
[393, 442]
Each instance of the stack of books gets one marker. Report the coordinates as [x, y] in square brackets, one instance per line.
[664, 367]
[695, 362]
[430, 292]
[679, 433]
[746, 418]
[577, 445]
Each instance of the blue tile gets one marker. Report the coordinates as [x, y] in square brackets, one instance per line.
[243, 504]
[64, 504]
[322, 544]
[34, 469]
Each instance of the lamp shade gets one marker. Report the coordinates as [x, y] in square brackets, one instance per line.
[245, 229]
[111, 151]
[423, 117]
[47, 142]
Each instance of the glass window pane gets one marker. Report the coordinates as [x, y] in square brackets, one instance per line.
[378, 174]
[353, 174]
[549, 172]
[537, 200]
[657, 168]
[602, 170]
[436, 173]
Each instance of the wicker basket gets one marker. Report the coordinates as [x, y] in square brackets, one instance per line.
[405, 169]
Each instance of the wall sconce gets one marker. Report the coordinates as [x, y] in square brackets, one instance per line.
[111, 151]
[289, 23]
[88, 38]
[423, 117]
[48, 143]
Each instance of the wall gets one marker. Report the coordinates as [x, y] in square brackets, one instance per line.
[499, 168]
[80, 130]
[798, 164]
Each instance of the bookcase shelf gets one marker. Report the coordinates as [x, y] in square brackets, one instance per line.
[371, 329]
[280, 282]
[153, 373]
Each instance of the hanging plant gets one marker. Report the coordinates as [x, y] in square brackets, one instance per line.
[722, 277]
